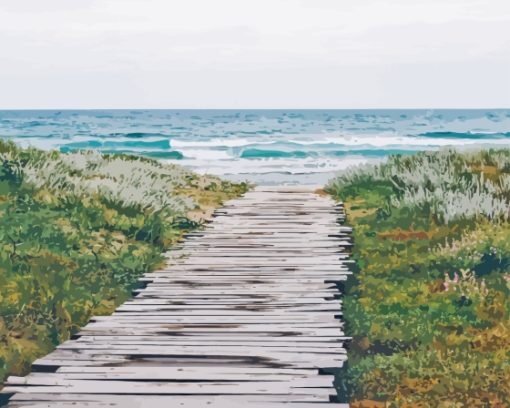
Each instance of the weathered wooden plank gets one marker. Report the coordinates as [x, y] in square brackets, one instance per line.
[227, 326]
[241, 281]
[268, 261]
[51, 365]
[283, 274]
[97, 359]
[238, 330]
[214, 302]
[140, 340]
[190, 402]
[219, 289]
[163, 388]
[225, 310]
[213, 339]
[159, 401]
[198, 372]
[149, 374]
[338, 269]
[309, 320]
[267, 254]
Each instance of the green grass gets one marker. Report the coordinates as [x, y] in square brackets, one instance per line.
[77, 231]
[428, 307]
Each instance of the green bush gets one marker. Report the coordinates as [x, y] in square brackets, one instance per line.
[77, 232]
[428, 307]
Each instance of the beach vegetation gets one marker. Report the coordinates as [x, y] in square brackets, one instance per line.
[428, 307]
[77, 231]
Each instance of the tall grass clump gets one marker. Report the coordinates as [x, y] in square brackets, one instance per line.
[429, 306]
[77, 232]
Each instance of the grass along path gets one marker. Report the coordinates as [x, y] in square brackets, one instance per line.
[77, 231]
[429, 304]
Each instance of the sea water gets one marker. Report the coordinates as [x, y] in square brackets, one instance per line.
[262, 146]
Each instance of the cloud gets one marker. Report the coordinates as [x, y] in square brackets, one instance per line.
[167, 53]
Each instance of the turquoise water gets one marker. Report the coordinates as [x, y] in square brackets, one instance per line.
[273, 146]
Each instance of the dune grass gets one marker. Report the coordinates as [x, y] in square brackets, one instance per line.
[428, 307]
[77, 231]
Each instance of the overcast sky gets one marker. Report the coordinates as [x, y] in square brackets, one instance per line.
[254, 53]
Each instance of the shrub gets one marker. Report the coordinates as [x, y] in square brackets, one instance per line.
[77, 232]
[428, 307]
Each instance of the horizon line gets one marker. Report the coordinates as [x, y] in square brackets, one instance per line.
[252, 109]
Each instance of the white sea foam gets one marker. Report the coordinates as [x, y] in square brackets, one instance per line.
[291, 166]
[205, 154]
[379, 140]
[216, 142]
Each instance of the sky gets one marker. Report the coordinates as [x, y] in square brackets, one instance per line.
[254, 54]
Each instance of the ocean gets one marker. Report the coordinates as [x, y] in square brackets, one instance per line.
[261, 146]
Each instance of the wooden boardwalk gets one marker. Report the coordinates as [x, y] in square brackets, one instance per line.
[246, 314]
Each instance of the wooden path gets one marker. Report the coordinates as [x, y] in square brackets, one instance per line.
[246, 314]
